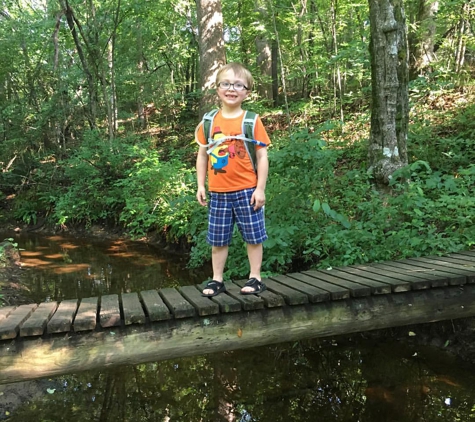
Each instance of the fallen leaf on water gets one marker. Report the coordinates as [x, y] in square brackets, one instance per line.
[51, 390]
[239, 333]
[411, 333]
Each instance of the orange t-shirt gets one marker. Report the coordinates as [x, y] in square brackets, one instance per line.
[229, 166]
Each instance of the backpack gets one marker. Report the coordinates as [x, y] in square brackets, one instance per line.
[248, 124]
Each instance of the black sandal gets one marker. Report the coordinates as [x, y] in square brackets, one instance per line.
[216, 286]
[257, 285]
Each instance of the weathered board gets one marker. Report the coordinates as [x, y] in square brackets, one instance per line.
[62, 320]
[11, 325]
[133, 311]
[86, 317]
[109, 314]
[35, 325]
[154, 306]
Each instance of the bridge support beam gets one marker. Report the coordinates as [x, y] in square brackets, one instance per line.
[49, 356]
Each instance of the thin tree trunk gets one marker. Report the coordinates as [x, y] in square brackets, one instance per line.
[461, 41]
[264, 55]
[422, 40]
[92, 104]
[389, 77]
[338, 94]
[282, 68]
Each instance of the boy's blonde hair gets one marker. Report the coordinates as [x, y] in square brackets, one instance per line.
[239, 70]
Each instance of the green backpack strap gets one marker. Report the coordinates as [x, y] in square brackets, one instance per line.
[208, 119]
[248, 125]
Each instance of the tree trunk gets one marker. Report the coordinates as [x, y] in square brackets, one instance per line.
[422, 41]
[91, 82]
[264, 56]
[211, 47]
[461, 41]
[389, 80]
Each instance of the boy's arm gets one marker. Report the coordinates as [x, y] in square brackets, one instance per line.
[259, 197]
[201, 169]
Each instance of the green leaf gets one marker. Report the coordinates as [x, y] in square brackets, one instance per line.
[316, 205]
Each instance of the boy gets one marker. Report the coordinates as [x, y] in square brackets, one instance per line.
[237, 193]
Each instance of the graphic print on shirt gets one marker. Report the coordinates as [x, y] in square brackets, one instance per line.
[223, 153]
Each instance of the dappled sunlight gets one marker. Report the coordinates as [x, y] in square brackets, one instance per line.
[30, 254]
[54, 256]
[35, 262]
[68, 246]
[71, 268]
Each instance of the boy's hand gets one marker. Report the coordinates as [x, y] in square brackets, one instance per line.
[201, 196]
[258, 199]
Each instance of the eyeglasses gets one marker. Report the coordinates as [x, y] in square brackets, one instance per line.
[237, 86]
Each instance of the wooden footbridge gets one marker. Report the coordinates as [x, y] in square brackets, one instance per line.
[94, 333]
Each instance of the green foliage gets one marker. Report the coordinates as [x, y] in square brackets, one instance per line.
[125, 181]
[90, 193]
[158, 195]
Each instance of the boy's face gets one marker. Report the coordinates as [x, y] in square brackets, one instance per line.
[231, 97]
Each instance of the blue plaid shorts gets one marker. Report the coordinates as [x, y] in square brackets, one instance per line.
[229, 208]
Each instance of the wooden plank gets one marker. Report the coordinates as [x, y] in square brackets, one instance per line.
[109, 314]
[455, 267]
[62, 320]
[86, 317]
[461, 257]
[395, 283]
[355, 289]
[203, 305]
[36, 324]
[417, 281]
[177, 304]
[132, 308]
[456, 260]
[291, 296]
[469, 254]
[336, 292]
[232, 331]
[456, 278]
[314, 294]
[248, 302]
[377, 288]
[10, 326]
[155, 306]
[4, 312]
[226, 302]
[437, 279]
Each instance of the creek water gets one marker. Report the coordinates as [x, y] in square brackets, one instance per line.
[355, 378]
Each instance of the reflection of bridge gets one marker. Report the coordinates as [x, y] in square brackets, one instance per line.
[74, 335]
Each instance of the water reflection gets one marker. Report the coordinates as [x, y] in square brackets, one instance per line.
[343, 379]
[320, 380]
[61, 267]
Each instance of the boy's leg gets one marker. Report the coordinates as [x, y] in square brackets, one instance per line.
[254, 253]
[219, 254]
[220, 230]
